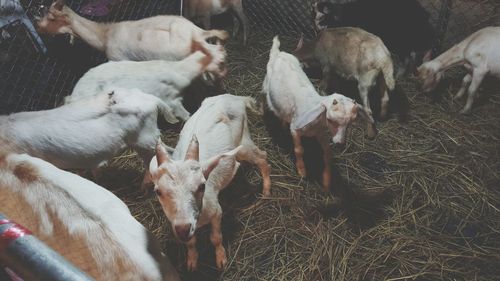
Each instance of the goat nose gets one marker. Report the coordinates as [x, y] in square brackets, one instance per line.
[183, 231]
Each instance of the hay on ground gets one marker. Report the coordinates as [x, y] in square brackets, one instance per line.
[420, 202]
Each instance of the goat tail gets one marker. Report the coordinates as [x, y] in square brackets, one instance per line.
[253, 106]
[166, 111]
[275, 49]
[388, 72]
[221, 35]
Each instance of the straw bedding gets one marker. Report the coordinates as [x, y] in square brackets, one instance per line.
[420, 202]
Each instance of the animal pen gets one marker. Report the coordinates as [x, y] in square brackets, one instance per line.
[420, 202]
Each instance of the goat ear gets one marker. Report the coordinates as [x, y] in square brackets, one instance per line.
[427, 56]
[161, 153]
[59, 4]
[193, 152]
[363, 114]
[300, 44]
[214, 161]
[309, 117]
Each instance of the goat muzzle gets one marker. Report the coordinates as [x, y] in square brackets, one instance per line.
[183, 232]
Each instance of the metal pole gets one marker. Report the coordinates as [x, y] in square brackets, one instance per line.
[30, 258]
[182, 7]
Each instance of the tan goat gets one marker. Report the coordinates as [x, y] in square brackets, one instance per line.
[84, 222]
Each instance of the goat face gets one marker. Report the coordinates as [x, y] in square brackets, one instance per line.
[180, 187]
[429, 76]
[53, 20]
[340, 112]
[319, 14]
[326, 14]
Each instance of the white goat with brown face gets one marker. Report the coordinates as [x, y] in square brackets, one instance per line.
[205, 9]
[293, 99]
[211, 146]
[479, 54]
[84, 222]
[154, 38]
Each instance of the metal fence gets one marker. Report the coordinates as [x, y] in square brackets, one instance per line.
[453, 19]
[30, 80]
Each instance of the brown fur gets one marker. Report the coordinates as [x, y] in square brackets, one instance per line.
[25, 172]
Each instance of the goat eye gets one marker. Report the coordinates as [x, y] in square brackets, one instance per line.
[158, 192]
[201, 188]
[335, 102]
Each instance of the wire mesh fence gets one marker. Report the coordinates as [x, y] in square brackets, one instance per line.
[453, 19]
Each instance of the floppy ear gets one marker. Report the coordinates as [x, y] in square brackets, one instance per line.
[363, 114]
[309, 117]
[427, 56]
[214, 161]
[300, 44]
[193, 152]
[58, 4]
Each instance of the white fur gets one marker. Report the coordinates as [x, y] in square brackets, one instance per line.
[164, 79]
[479, 54]
[88, 212]
[290, 94]
[87, 133]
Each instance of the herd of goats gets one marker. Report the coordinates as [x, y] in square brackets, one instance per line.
[115, 106]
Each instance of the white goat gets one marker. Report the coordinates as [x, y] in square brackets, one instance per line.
[188, 182]
[354, 54]
[479, 54]
[204, 9]
[164, 79]
[82, 221]
[293, 99]
[87, 133]
[159, 37]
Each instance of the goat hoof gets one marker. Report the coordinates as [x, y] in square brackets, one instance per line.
[221, 259]
[372, 133]
[266, 194]
[465, 111]
[302, 172]
[192, 265]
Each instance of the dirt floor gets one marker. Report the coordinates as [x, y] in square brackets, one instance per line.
[420, 202]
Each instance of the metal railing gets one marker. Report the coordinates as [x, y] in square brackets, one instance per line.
[30, 258]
